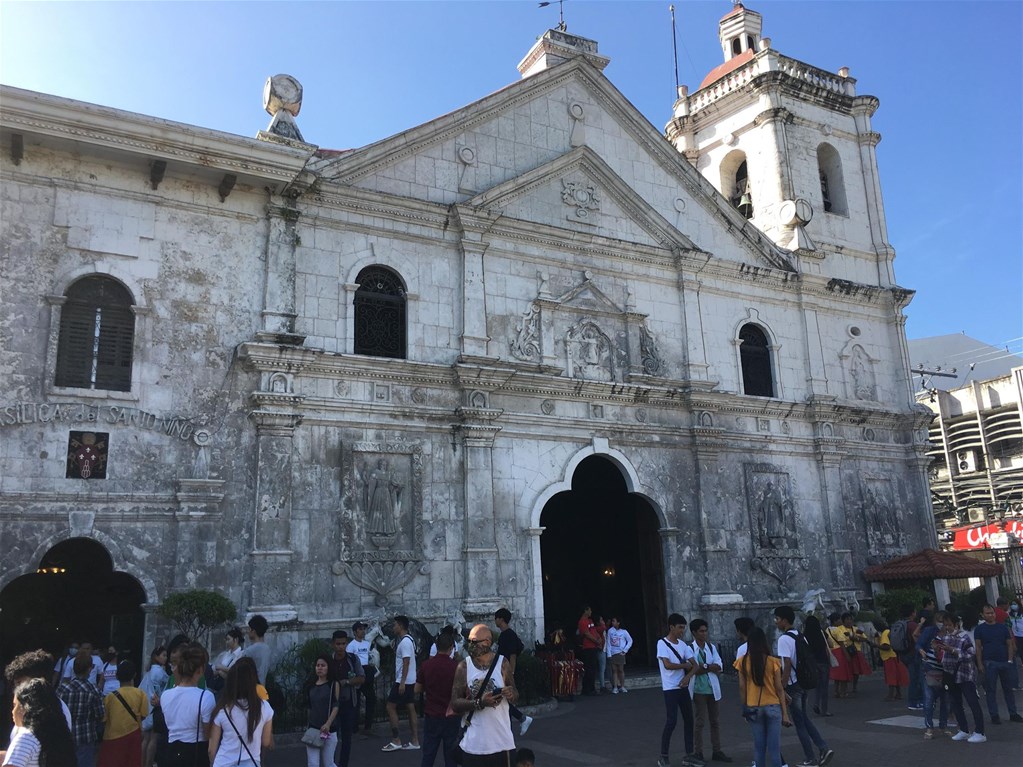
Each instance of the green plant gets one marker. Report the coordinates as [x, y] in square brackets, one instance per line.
[286, 680]
[529, 679]
[889, 603]
[195, 612]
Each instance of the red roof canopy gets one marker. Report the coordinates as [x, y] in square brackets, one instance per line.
[928, 563]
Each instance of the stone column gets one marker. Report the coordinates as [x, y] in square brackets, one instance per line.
[536, 618]
[271, 535]
[477, 432]
[828, 455]
[279, 310]
[777, 166]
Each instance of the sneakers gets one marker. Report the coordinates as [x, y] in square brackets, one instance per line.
[917, 707]
[1015, 718]
[525, 725]
[961, 736]
[623, 689]
[720, 756]
[390, 746]
[977, 737]
[691, 760]
[662, 761]
[411, 747]
[614, 690]
[809, 763]
[826, 756]
[928, 733]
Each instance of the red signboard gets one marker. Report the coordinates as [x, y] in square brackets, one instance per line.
[980, 537]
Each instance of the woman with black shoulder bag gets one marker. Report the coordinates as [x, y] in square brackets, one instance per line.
[188, 711]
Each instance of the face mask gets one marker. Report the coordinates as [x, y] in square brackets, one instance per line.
[939, 626]
[1014, 607]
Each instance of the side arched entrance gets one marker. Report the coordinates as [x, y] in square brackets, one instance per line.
[74, 595]
[601, 547]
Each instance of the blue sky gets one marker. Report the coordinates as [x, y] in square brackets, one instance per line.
[948, 75]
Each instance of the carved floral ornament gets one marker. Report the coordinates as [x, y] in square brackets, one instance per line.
[583, 198]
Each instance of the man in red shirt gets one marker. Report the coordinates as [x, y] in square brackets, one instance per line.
[436, 678]
[589, 644]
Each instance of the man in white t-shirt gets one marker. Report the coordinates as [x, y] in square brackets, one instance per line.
[675, 662]
[784, 617]
[360, 647]
[743, 625]
[402, 691]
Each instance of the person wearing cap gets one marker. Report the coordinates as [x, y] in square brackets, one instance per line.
[360, 647]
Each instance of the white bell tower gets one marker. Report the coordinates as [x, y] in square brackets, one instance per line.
[791, 147]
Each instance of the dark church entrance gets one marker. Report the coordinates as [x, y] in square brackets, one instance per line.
[601, 547]
[75, 595]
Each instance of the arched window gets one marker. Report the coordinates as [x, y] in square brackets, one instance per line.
[749, 43]
[829, 165]
[97, 335]
[736, 46]
[380, 313]
[755, 358]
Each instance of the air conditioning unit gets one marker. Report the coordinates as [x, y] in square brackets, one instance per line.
[976, 515]
[966, 460]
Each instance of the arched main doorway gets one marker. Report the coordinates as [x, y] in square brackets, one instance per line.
[75, 595]
[601, 547]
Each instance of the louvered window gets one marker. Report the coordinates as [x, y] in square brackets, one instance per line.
[97, 332]
[380, 313]
[755, 357]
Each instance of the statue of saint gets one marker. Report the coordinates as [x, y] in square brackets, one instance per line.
[383, 504]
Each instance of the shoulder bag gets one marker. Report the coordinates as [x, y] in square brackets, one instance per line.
[245, 745]
[129, 709]
[312, 736]
[457, 754]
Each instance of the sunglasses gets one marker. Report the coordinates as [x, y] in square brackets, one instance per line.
[480, 641]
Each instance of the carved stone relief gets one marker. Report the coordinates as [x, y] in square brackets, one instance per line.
[649, 353]
[583, 200]
[861, 383]
[880, 515]
[774, 524]
[590, 353]
[526, 345]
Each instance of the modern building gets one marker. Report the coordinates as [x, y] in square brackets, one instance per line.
[532, 353]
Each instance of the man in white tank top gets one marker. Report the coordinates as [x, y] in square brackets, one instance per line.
[488, 741]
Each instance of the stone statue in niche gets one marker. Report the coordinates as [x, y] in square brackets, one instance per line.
[772, 513]
[589, 353]
[861, 375]
[382, 497]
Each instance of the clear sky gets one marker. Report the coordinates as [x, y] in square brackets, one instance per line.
[948, 75]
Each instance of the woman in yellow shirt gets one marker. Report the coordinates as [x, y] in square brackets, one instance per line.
[896, 675]
[763, 697]
[125, 708]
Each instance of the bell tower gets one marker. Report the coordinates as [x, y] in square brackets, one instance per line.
[791, 147]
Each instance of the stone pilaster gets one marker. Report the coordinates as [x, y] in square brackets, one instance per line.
[279, 310]
[692, 320]
[197, 518]
[828, 453]
[271, 536]
[476, 433]
[777, 167]
[473, 244]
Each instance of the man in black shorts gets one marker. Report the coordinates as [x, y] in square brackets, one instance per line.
[509, 646]
[402, 691]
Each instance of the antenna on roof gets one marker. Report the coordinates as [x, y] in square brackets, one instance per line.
[561, 13]
[674, 45]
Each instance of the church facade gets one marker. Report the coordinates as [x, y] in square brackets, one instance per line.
[335, 385]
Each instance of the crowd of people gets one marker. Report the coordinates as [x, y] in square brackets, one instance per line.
[928, 653]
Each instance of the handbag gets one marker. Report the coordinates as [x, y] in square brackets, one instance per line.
[456, 754]
[752, 713]
[312, 736]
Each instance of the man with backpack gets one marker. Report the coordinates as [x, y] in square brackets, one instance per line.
[799, 674]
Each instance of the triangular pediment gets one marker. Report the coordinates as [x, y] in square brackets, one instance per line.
[529, 138]
[581, 192]
[586, 295]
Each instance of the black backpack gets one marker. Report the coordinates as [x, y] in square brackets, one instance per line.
[806, 667]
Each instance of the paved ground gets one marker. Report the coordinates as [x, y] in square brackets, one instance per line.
[626, 729]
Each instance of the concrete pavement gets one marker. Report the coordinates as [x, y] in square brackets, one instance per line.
[625, 729]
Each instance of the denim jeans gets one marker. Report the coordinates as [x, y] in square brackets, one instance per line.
[322, 756]
[916, 694]
[805, 728]
[996, 672]
[674, 701]
[345, 732]
[967, 690]
[440, 733]
[823, 682]
[767, 736]
[86, 755]
[930, 695]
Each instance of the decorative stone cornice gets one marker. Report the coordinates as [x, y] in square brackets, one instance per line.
[275, 423]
